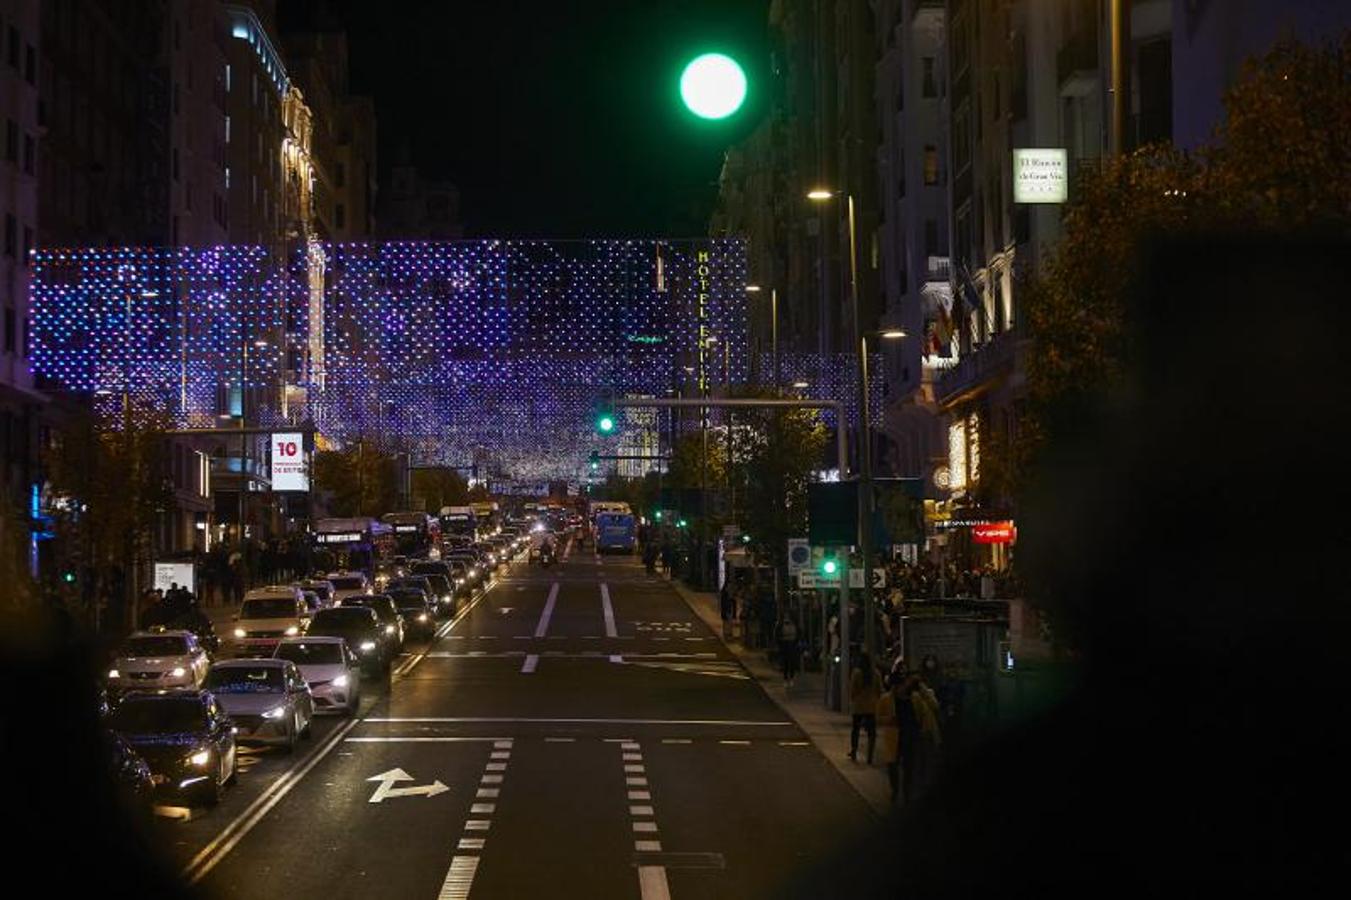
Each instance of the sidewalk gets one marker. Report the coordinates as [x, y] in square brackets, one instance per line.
[827, 729]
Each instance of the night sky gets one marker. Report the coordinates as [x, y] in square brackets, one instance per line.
[557, 119]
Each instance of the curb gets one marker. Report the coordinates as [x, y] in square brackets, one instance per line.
[879, 805]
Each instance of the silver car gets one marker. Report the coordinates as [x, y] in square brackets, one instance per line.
[329, 667]
[158, 659]
[267, 699]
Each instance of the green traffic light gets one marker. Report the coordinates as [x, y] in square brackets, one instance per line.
[68, 577]
[829, 567]
[606, 424]
[713, 86]
[680, 524]
[657, 515]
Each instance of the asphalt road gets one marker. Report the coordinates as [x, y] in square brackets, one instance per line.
[574, 732]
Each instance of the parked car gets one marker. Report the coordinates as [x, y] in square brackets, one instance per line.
[266, 616]
[329, 667]
[185, 737]
[361, 628]
[417, 611]
[385, 610]
[267, 699]
[157, 659]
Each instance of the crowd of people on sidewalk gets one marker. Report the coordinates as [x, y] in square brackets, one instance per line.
[899, 706]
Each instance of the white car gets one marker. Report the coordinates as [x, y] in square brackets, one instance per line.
[347, 584]
[158, 659]
[267, 700]
[329, 667]
[266, 616]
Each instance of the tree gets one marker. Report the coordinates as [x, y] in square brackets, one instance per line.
[359, 480]
[1279, 161]
[438, 488]
[774, 456]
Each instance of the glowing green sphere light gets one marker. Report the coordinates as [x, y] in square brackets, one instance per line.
[713, 86]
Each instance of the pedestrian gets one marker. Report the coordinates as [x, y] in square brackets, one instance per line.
[788, 650]
[890, 735]
[727, 609]
[863, 694]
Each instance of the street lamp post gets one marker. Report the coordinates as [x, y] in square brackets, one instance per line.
[773, 325]
[865, 469]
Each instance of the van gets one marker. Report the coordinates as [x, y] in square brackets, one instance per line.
[266, 616]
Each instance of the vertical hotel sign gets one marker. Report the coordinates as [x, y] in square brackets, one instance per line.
[1040, 175]
[702, 272]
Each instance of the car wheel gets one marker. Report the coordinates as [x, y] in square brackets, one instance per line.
[290, 746]
[234, 769]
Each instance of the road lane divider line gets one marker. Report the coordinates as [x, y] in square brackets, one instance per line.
[608, 609]
[459, 880]
[550, 720]
[528, 667]
[211, 855]
[548, 613]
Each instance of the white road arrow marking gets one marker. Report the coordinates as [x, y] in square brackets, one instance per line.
[394, 776]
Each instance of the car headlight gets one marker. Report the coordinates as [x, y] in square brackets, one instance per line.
[445, 598]
[473, 571]
[113, 673]
[293, 630]
[340, 681]
[241, 633]
[367, 646]
[275, 712]
[178, 671]
[422, 617]
[200, 758]
[389, 629]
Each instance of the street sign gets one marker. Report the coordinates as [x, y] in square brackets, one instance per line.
[799, 556]
[809, 581]
[394, 776]
[879, 578]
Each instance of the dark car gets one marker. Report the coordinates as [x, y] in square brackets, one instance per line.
[185, 737]
[361, 628]
[442, 595]
[411, 583]
[385, 610]
[416, 609]
[128, 771]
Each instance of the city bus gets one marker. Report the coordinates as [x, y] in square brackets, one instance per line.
[460, 521]
[615, 531]
[415, 534]
[360, 543]
[485, 516]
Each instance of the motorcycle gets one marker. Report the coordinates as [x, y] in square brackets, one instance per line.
[546, 557]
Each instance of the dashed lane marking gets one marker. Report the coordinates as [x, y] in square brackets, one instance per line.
[544, 617]
[608, 610]
[528, 667]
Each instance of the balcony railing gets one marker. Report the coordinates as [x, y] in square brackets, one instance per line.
[978, 365]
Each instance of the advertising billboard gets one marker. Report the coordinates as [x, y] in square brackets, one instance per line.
[289, 472]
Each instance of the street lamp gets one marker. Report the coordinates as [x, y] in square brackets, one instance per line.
[773, 325]
[865, 474]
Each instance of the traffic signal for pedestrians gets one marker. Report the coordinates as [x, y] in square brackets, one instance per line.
[605, 423]
[829, 567]
[657, 515]
[595, 460]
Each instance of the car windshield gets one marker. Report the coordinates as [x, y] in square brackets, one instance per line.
[245, 680]
[341, 617]
[348, 582]
[158, 716]
[425, 568]
[409, 599]
[155, 646]
[268, 608]
[319, 653]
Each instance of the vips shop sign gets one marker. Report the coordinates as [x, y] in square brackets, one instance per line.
[994, 533]
[289, 472]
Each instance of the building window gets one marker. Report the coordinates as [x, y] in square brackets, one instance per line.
[930, 85]
[930, 164]
[930, 237]
[340, 175]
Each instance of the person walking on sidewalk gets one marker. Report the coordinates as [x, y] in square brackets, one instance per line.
[788, 650]
[863, 694]
[726, 609]
[889, 729]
